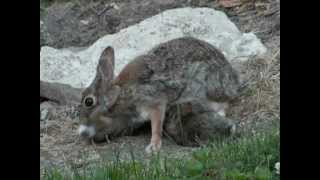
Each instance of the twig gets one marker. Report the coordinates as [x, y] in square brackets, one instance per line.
[276, 54]
[107, 139]
[93, 143]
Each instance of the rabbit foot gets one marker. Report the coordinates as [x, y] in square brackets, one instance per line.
[153, 147]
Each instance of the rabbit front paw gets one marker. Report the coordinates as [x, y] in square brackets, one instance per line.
[154, 146]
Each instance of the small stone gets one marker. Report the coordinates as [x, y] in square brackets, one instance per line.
[277, 167]
[114, 6]
[85, 22]
[44, 114]
[46, 110]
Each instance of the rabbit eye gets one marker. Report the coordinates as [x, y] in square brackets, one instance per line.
[89, 101]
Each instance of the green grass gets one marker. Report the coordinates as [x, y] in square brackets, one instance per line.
[242, 158]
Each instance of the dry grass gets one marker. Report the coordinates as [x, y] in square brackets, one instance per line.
[260, 100]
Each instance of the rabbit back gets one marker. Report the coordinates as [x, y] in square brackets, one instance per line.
[181, 70]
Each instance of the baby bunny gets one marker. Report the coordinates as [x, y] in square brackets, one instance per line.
[178, 71]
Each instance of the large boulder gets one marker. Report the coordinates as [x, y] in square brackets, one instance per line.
[76, 67]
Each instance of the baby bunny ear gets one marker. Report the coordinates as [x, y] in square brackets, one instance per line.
[106, 65]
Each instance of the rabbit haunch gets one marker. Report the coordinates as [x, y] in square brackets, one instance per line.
[178, 71]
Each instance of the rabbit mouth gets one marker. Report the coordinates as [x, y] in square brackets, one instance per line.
[102, 137]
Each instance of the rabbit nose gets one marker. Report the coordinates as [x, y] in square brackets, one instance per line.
[86, 131]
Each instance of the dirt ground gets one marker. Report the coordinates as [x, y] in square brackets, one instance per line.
[257, 107]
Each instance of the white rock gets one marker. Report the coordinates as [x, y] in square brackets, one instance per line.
[77, 68]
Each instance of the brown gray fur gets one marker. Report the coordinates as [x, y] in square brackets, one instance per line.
[193, 124]
[176, 72]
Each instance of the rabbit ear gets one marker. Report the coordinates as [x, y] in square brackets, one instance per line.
[112, 96]
[106, 66]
